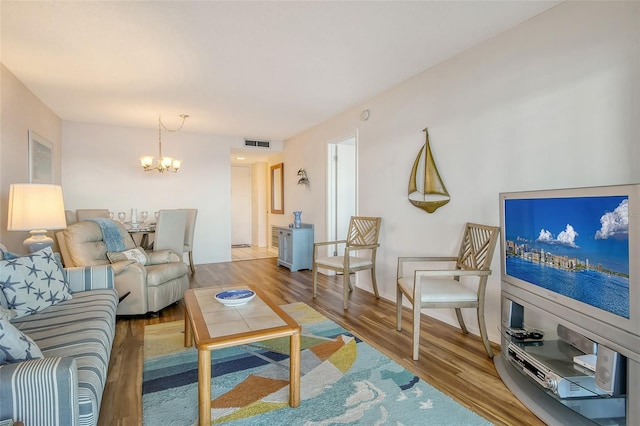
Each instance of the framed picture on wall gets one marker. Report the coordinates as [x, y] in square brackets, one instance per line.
[40, 159]
[277, 189]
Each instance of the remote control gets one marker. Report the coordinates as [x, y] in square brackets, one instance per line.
[524, 334]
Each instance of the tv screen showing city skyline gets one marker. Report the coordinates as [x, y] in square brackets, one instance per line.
[577, 247]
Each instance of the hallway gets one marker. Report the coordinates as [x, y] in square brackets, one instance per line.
[250, 253]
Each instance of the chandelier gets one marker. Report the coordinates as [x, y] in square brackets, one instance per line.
[165, 164]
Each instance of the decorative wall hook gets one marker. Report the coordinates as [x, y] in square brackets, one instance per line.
[304, 180]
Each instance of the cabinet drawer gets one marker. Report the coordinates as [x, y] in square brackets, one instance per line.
[284, 233]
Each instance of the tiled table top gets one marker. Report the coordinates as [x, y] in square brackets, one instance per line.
[224, 320]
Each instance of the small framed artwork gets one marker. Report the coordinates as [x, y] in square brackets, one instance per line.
[40, 159]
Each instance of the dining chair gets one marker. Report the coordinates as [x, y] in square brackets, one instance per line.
[170, 229]
[84, 214]
[427, 286]
[188, 236]
[70, 217]
[360, 248]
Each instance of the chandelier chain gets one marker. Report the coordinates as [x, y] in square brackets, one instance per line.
[183, 116]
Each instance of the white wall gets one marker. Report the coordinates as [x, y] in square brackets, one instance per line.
[101, 169]
[21, 111]
[551, 103]
[260, 234]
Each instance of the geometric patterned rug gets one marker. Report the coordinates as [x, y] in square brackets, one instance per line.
[343, 381]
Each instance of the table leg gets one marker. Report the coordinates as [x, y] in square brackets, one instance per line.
[294, 370]
[204, 387]
[188, 337]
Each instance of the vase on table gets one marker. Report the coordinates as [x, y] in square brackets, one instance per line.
[297, 221]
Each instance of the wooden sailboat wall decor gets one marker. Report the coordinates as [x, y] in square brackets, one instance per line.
[426, 188]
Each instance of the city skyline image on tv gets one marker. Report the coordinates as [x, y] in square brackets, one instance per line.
[577, 247]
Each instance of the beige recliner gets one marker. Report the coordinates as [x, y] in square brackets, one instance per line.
[159, 283]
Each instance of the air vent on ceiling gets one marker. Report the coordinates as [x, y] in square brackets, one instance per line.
[257, 144]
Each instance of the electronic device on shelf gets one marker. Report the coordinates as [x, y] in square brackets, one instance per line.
[554, 373]
[587, 361]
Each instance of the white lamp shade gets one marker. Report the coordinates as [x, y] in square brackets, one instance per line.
[35, 206]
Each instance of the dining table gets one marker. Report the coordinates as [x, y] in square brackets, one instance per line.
[142, 233]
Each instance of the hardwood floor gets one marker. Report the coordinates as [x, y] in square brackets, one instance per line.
[454, 363]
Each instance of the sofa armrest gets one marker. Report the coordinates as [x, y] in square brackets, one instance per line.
[40, 391]
[121, 266]
[132, 280]
[84, 278]
[158, 257]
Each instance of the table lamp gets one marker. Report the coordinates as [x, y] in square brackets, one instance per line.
[36, 208]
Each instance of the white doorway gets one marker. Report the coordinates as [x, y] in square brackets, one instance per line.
[342, 195]
[240, 206]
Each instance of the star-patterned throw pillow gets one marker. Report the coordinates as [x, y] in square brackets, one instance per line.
[7, 314]
[33, 282]
[15, 346]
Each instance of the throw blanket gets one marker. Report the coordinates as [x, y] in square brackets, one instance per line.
[110, 234]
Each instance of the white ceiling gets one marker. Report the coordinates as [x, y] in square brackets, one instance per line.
[265, 70]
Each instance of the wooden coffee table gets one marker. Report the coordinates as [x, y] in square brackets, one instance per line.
[211, 325]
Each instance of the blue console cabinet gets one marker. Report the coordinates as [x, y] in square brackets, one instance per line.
[295, 247]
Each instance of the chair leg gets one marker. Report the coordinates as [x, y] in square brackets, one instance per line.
[375, 284]
[416, 331]
[461, 321]
[191, 265]
[483, 332]
[346, 288]
[398, 309]
[315, 281]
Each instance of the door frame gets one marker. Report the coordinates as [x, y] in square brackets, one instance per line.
[333, 187]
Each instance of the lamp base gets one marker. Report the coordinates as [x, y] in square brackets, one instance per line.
[38, 240]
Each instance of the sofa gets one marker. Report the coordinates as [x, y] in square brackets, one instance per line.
[149, 283]
[60, 377]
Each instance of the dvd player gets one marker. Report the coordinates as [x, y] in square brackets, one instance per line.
[551, 369]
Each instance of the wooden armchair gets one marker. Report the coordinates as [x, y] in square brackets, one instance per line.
[426, 287]
[362, 236]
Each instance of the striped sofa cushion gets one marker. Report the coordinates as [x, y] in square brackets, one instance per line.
[55, 378]
[84, 278]
[82, 328]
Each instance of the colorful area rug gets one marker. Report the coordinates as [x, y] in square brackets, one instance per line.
[343, 381]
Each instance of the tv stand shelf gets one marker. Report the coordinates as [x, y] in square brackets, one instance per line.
[560, 380]
[546, 407]
[563, 392]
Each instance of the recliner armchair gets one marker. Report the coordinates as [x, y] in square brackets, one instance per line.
[149, 288]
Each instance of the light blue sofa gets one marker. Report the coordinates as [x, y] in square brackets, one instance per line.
[65, 387]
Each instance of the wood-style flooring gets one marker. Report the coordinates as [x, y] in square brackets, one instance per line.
[454, 363]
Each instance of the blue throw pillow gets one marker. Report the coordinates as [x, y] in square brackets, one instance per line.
[33, 282]
[15, 346]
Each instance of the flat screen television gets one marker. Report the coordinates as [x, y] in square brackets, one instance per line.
[575, 253]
